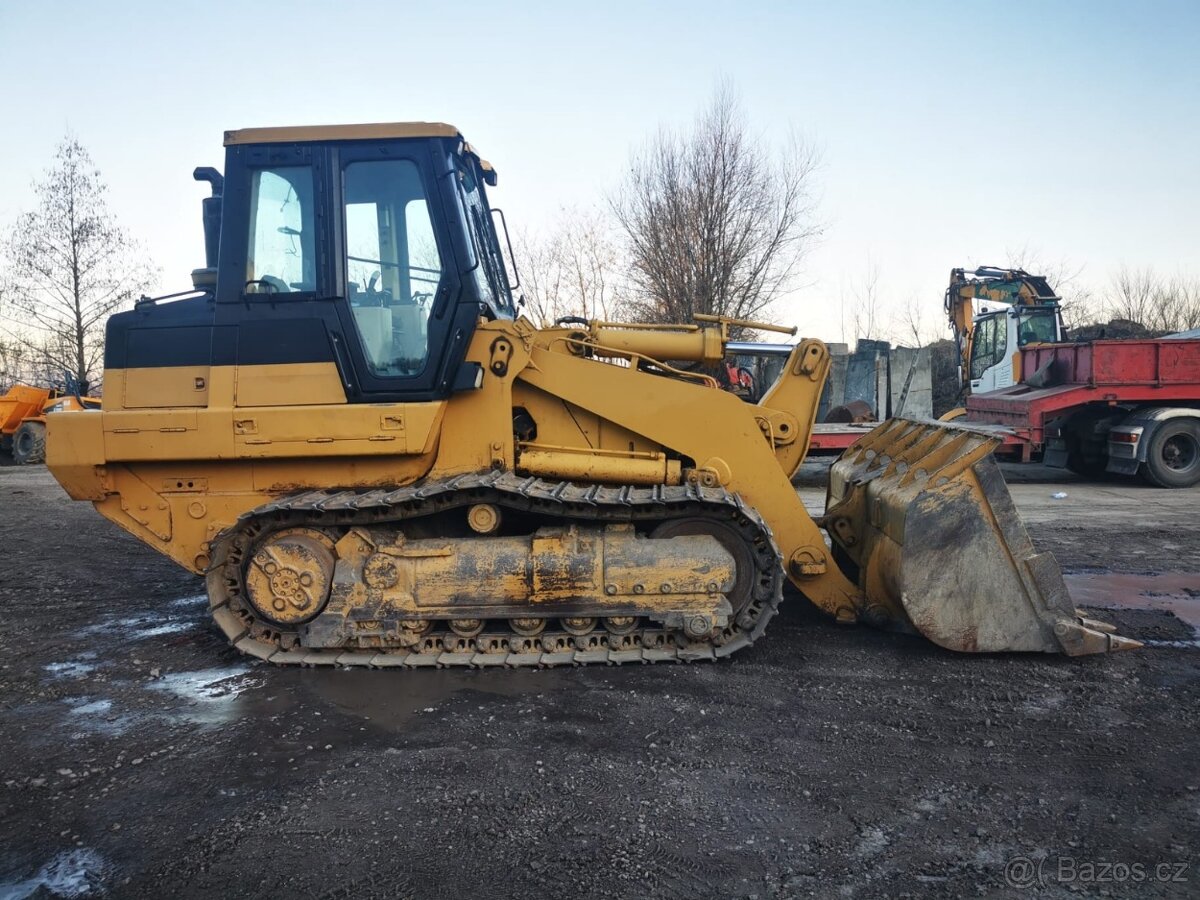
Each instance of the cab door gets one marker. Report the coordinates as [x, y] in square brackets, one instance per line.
[1006, 349]
[396, 272]
[990, 366]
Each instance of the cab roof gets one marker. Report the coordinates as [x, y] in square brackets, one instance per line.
[379, 131]
[291, 134]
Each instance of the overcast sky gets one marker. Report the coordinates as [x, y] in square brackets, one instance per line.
[952, 133]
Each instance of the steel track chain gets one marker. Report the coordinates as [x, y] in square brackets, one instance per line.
[565, 501]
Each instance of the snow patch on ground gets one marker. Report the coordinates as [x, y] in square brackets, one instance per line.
[82, 706]
[71, 668]
[146, 624]
[74, 873]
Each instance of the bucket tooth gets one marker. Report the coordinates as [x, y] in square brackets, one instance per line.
[1116, 642]
[1095, 623]
[1078, 639]
[922, 510]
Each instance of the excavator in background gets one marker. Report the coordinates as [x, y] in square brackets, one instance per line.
[349, 429]
[1015, 309]
[1098, 408]
[23, 412]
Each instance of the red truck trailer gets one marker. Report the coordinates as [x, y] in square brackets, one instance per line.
[1125, 407]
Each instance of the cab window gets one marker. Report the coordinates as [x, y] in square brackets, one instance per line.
[490, 272]
[1037, 329]
[393, 264]
[281, 257]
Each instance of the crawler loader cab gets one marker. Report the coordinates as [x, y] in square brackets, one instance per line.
[369, 249]
[374, 460]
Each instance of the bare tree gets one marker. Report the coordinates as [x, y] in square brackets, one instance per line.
[1180, 300]
[17, 349]
[15, 364]
[71, 265]
[572, 269]
[714, 220]
[1174, 304]
[1159, 304]
[865, 313]
[1065, 277]
[911, 325]
[1131, 295]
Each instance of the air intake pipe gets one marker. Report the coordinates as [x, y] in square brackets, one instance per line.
[211, 214]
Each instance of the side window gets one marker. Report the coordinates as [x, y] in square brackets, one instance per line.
[490, 275]
[282, 255]
[392, 262]
[984, 347]
[1001, 350]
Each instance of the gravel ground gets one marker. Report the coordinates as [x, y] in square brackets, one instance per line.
[142, 757]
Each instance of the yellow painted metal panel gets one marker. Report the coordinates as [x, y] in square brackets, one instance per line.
[350, 429]
[292, 384]
[169, 386]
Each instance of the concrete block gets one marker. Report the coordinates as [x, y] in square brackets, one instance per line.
[911, 383]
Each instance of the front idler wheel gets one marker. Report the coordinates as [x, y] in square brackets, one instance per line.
[289, 576]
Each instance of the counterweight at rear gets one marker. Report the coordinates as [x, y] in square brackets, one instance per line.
[375, 460]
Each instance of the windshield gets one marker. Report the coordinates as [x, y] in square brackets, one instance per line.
[489, 272]
[1038, 328]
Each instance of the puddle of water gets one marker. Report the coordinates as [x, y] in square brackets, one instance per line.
[204, 697]
[75, 873]
[212, 694]
[207, 684]
[389, 698]
[1175, 592]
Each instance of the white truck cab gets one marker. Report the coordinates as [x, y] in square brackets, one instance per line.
[999, 334]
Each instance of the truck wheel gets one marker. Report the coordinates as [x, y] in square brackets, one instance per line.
[1173, 457]
[29, 444]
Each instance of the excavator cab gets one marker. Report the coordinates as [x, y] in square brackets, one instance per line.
[374, 460]
[1015, 309]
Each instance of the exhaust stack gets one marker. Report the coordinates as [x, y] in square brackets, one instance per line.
[206, 279]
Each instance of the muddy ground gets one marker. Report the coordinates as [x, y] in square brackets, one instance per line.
[142, 757]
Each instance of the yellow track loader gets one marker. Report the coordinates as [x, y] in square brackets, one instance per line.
[375, 460]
